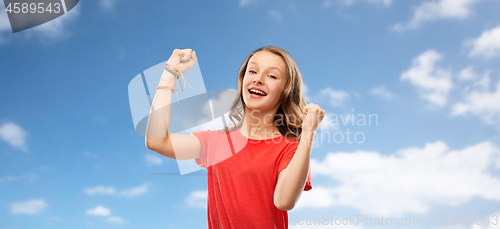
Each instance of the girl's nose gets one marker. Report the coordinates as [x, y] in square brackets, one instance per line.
[257, 79]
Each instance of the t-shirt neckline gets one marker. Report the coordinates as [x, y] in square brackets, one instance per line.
[256, 140]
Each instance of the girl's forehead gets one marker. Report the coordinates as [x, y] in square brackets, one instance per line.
[267, 59]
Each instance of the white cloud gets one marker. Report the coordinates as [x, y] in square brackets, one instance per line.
[328, 3]
[481, 102]
[437, 9]
[100, 190]
[328, 123]
[110, 190]
[106, 212]
[27, 177]
[247, 2]
[381, 91]
[100, 118]
[88, 154]
[306, 94]
[321, 197]
[197, 199]
[486, 45]
[122, 53]
[115, 219]
[14, 135]
[153, 159]
[432, 82]
[483, 83]
[99, 211]
[385, 2]
[276, 15]
[411, 181]
[28, 207]
[293, 8]
[335, 97]
[134, 191]
[107, 4]
[8, 179]
[467, 73]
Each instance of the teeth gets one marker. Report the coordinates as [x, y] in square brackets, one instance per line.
[257, 91]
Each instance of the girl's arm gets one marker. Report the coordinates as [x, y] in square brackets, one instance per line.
[159, 115]
[157, 137]
[291, 181]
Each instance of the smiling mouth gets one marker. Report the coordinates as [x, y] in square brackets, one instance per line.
[256, 92]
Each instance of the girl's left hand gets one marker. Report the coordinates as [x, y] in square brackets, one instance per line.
[313, 115]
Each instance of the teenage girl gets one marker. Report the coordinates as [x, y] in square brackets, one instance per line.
[261, 175]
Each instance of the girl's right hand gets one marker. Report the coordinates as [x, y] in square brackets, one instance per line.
[182, 59]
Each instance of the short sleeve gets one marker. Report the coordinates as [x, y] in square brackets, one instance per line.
[289, 152]
[204, 137]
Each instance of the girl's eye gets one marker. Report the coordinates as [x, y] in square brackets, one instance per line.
[252, 71]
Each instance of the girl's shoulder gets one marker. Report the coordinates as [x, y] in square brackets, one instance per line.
[209, 133]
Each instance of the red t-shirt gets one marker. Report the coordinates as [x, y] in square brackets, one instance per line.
[242, 174]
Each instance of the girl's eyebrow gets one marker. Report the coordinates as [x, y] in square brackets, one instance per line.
[269, 67]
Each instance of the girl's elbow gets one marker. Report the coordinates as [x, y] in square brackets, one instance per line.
[283, 205]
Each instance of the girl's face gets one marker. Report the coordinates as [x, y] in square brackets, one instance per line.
[265, 72]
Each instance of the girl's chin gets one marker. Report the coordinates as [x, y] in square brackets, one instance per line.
[255, 107]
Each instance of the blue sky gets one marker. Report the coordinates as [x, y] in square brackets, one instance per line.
[429, 70]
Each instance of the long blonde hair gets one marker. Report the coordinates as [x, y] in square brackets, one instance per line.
[292, 101]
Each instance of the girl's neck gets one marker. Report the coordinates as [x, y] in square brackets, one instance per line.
[259, 125]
